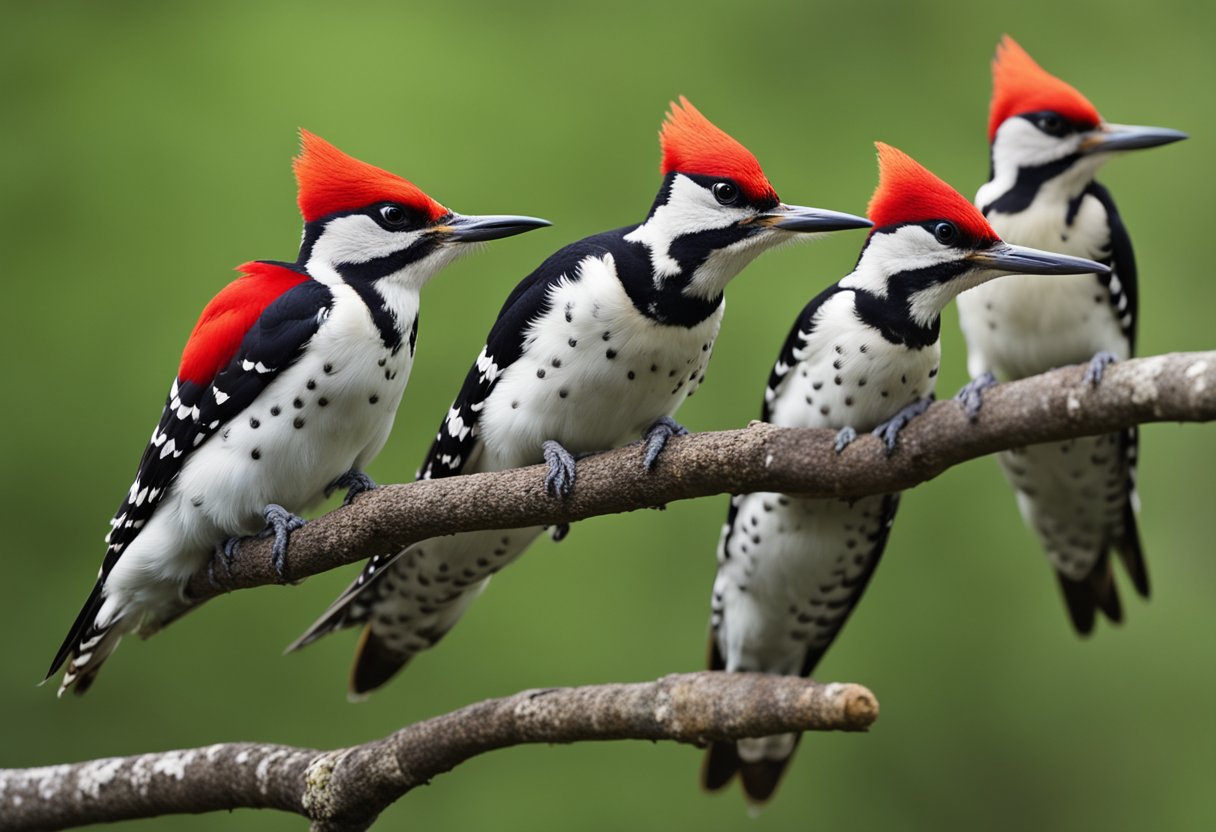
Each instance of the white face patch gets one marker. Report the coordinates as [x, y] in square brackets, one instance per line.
[1019, 144]
[358, 238]
[690, 208]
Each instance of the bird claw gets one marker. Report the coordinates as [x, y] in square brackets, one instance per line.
[355, 481]
[656, 439]
[559, 482]
[844, 438]
[1097, 366]
[972, 394]
[559, 532]
[280, 523]
[889, 430]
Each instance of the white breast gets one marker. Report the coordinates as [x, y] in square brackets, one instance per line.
[1021, 325]
[849, 375]
[594, 373]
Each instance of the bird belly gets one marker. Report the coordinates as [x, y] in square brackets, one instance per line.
[794, 569]
[427, 588]
[1073, 495]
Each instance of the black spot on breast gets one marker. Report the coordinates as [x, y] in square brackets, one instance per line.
[848, 401]
[540, 373]
[382, 362]
[838, 380]
[837, 364]
[607, 335]
[373, 398]
[569, 312]
[573, 342]
[514, 405]
[322, 401]
[299, 422]
[561, 393]
[557, 362]
[328, 368]
[311, 385]
[816, 385]
[611, 354]
[631, 375]
[196, 501]
[297, 403]
[275, 411]
[824, 409]
[255, 453]
[254, 423]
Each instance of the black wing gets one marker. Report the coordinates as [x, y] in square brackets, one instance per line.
[193, 412]
[1122, 280]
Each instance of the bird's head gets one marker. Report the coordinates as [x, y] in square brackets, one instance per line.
[364, 223]
[929, 243]
[717, 210]
[1038, 120]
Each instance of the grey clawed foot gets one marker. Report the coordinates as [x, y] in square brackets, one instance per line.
[559, 532]
[559, 482]
[972, 394]
[889, 430]
[656, 439]
[1097, 366]
[845, 437]
[355, 482]
[280, 523]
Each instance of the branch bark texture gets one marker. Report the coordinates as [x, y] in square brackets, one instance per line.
[347, 788]
[1179, 387]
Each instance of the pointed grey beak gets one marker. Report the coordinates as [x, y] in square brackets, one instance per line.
[1003, 257]
[800, 219]
[1111, 137]
[460, 228]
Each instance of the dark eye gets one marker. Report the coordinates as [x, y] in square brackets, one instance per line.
[393, 215]
[946, 233]
[1051, 124]
[726, 193]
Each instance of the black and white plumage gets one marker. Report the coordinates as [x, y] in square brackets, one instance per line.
[1078, 496]
[287, 388]
[862, 356]
[606, 338]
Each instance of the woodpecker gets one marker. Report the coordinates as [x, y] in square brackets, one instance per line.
[596, 347]
[862, 355]
[287, 388]
[1079, 497]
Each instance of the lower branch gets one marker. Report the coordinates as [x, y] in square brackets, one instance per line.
[346, 789]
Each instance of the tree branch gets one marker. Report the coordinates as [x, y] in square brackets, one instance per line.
[346, 789]
[1179, 387]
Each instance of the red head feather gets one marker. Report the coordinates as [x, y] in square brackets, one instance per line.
[330, 181]
[908, 193]
[1019, 85]
[692, 144]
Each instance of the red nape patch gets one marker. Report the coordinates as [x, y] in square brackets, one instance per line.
[1019, 85]
[692, 144]
[907, 192]
[330, 181]
[229, 315]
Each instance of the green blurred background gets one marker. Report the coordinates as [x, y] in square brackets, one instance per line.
[145, 152]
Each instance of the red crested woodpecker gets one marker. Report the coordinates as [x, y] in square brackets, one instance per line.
[286, 389]
[599, 345]
[1079, 496]
[862, 356]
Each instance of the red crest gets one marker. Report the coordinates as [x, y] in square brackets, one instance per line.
[692, 144]
[1019, 85]
[907, 192]
[330, 181]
